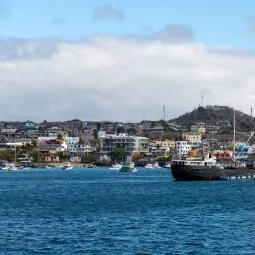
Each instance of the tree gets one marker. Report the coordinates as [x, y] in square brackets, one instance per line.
[230, 147]
[120, 130]
[60, 136]
[63, 157]
[98, 125]
[118, 154]
[7, 155]
[34, 144]
[131, 131]
[36, 156]
[171, 154]
[90, 158]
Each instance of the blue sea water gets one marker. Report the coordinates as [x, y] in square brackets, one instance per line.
[99, 211]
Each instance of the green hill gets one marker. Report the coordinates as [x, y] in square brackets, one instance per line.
[213, 114]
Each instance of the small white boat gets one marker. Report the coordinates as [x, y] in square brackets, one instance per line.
[167, 165]
[8, 166]
[91, 166]
[68, 166]
[12, 167]
[149, 166]
[59, 166]
[156, 165]
[116, 167]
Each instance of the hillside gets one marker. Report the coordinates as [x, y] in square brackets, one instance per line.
[213, 114]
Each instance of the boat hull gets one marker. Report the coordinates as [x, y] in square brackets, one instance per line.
[128, 169]
[204, 173]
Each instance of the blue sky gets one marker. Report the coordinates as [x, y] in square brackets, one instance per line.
[215, 22]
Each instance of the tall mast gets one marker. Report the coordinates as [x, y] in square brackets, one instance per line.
[15, 156]
[234, 124]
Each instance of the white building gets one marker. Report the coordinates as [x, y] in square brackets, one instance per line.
[76, 148]
[129, 143]
[72, 142]
[81, 149]
[182, 148]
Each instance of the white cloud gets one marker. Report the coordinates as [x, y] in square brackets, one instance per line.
[120, 79]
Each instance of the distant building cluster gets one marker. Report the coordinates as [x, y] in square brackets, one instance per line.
[81, 141]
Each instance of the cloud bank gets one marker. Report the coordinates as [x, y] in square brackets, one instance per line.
[121, 79]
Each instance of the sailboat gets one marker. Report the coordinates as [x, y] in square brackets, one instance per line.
[12, 165]
[207, 168]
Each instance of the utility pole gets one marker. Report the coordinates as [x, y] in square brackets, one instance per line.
[164, 112]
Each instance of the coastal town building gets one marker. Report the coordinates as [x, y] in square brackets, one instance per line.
[51, 149]
[80, 150]
[198, 128]
[86, 136]
[164, 144]
[192, 137]
[131, 144]
[29, 125]
[224, 124]
[183, 148]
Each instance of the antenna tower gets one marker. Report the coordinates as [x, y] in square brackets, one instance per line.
[202, 99]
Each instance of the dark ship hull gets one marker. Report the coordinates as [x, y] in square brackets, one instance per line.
[206, 173]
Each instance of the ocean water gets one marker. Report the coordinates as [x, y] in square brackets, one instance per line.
[98, 211]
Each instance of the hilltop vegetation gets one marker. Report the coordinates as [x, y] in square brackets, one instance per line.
[213, 114]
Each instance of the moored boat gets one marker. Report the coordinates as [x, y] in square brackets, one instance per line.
[128, 167]
[156, 165]
[8, 166]
[116, 167]
[68, 166]
[167, 165]
[149, 166]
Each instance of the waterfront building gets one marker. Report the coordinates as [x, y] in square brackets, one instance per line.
[51, 149]
[131, 144]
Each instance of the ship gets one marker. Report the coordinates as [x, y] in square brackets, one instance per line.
[207, 169]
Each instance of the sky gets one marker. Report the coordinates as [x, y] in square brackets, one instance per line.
[123, 60]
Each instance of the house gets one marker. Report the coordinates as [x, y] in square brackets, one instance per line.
[51, 149]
